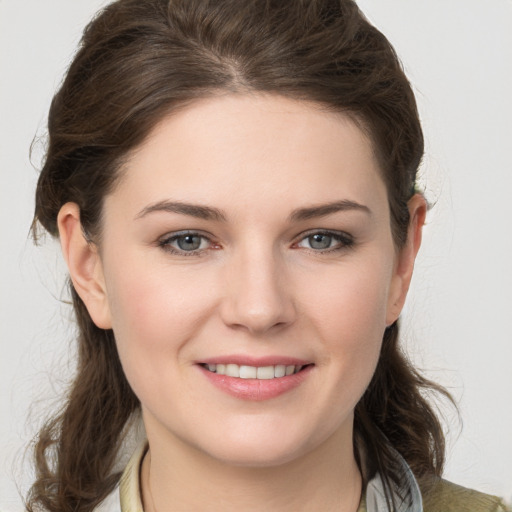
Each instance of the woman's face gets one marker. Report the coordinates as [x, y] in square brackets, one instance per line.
[251, 235]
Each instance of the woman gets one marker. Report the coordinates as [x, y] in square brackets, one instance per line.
[233, 185]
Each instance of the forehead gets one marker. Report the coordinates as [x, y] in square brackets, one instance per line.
[249, 150]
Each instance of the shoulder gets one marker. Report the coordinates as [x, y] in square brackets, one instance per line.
[443, 496]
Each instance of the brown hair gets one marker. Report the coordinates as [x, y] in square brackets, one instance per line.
[138, 61]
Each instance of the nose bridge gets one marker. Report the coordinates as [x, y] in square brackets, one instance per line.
[257, 292]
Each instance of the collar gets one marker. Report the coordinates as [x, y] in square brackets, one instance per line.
[406, 497]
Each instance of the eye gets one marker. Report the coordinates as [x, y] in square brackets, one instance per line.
[326, 241]
[186, 243]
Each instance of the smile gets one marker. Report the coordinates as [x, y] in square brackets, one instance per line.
[259, 382]
[254, 372]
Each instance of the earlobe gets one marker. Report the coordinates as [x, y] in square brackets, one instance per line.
[406, 257]
[84, 264]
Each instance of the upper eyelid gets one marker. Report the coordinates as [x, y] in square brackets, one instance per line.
[184, 232]
[331, 232]
[302, 234]
[324, 230]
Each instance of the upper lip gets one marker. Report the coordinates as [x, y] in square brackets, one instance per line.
[245, 360]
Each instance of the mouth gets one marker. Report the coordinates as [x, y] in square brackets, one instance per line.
[256, 379]
[254, 372]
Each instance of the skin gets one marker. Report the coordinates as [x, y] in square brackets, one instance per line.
[256, 286]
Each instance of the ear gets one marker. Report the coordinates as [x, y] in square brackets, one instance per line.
[84, 264]
[406, 256]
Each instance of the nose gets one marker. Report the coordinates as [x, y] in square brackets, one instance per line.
[258, 294]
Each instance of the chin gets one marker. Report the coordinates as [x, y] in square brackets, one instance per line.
[259, 456]
[262, 448]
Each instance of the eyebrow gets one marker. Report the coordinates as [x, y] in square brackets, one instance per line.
[210, 213]
[193, 210]
[323, 210]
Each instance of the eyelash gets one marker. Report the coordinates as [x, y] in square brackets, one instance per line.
[344, 241]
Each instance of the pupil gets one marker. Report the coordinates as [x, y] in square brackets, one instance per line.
[320, 241]
[189, 242]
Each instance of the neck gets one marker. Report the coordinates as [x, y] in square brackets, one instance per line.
[178, 477]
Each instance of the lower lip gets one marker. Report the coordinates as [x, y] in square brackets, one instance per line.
[256, 389]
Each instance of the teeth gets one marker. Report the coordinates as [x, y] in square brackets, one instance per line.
[248, 372]
[253, 372]
[280, 370]
[232, 370]
[265, 372]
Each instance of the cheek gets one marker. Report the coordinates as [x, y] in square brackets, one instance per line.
[148, 297]
[351, 300]
[350, 318]
[154, 315]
